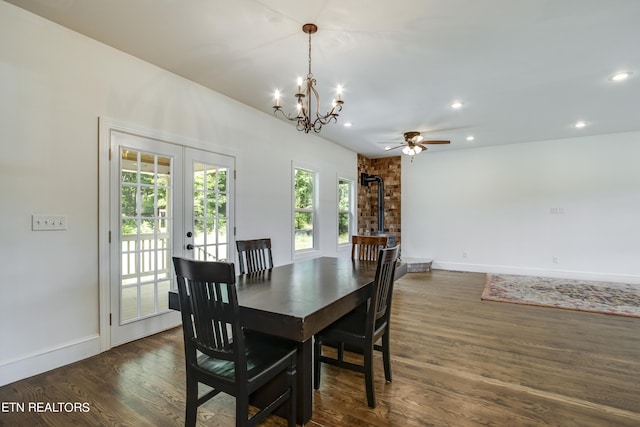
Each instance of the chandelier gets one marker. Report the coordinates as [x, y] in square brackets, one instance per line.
[306, 118]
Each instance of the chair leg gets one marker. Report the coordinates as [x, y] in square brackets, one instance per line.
[341, 351]
[191, 412]
[386, 356]
[368, 378]
[293, 399]
[317, 353]
[242, 410]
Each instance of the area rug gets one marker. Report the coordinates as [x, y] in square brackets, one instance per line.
[598, 297]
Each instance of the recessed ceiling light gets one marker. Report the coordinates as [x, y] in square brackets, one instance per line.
[580, 124]
[618, 77]
[456, 104]
[471, 138]
[347, 124]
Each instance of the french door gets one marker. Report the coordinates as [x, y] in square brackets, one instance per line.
[166, 200]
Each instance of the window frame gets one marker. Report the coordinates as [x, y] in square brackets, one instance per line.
[350, 211]
[304, 252]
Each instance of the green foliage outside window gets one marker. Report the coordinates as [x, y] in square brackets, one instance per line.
[344, 211]
[304, 189]
[303, 215]
[209, 205]
[152, 191]
[215, 205]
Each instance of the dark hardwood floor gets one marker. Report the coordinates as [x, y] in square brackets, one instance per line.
[456, 360]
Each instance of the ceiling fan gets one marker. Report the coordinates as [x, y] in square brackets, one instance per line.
[414, 143]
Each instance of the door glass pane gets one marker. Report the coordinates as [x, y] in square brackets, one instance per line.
[221, 204]
[129, 299]
[145, 229]
[211, 207]
[210, 212]
[163, 289]
[147, 299]
[198, 177]
[222, 180]
[222, 249]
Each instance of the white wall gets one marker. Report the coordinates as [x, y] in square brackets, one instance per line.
[495, 204]
[54, 84]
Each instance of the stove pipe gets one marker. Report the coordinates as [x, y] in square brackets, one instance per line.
[365, 180]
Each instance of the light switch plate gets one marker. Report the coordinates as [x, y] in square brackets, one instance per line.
[43, 222]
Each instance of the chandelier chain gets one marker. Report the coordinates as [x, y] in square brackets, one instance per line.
[309, 75]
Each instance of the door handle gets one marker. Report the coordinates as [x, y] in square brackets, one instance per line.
[189, 247]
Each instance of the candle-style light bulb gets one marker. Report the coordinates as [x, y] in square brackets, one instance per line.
[339, 93]
[277, 96]
[300, 85]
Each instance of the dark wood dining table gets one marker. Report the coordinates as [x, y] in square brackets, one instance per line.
[296, 301]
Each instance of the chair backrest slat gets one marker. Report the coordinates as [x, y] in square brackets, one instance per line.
[366, 248]
[254, 255]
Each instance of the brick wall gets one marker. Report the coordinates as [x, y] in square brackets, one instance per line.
[388, 169]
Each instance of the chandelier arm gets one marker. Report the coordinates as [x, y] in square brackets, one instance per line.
[327, 120]
[310, 91]
[317, 98]
[285, 115]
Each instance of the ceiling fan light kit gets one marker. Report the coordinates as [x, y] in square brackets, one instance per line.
[412, 151]
[307, 119]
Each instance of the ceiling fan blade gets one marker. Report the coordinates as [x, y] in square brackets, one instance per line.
[393, 148]
[422, 146]
[442, 141]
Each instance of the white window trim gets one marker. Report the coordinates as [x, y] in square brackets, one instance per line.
[305, 253]
[351, 212]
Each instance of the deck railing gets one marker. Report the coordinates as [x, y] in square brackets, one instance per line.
[153, 255]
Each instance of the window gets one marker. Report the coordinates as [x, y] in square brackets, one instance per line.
[304, 186]
[345, 210]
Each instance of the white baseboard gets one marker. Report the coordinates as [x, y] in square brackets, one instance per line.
[46, 360]
[526, 271]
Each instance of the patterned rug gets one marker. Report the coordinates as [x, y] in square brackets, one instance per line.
[598, 297]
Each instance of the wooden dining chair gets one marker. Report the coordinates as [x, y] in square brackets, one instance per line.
[254, 255]
[360, 330]
[218, 353]
[365, 248]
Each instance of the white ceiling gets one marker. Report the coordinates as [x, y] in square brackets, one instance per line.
[526, 70]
